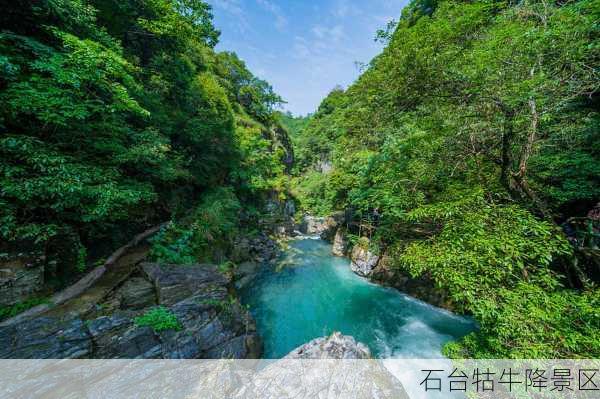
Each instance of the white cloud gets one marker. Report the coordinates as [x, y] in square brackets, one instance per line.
[343, 9]
[301, 49]
[281, 21]
[235, 9]
[231, 6]
[334, 33]
[316, 45]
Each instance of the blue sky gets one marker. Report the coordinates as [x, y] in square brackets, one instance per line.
[303, 48]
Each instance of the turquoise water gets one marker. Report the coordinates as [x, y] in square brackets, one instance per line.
[309, 293]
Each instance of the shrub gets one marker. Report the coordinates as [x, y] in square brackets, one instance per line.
[6, 312]
[213, 224]
[159, 319]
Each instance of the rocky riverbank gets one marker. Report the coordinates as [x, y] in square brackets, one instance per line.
[211, 321]
[98, 317]
[335, 373]
[377, 266]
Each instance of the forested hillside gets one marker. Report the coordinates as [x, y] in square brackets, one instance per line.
[468, 152]
[119, 115]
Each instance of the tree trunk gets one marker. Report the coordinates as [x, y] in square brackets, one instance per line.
[520, 177]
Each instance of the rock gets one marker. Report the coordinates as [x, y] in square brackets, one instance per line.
[117, 337]
[337, 346]
[325, 227]
[244, 273]
[175, 283]
[282, 139]
[21, 275]
[324, 167]
[363, 261]
[246, 269]
[45, 338]
[289, 209]
[241, 347]
[260, 248]
[213, 324]
[241, 251]
[340, 243]
[136, 293]
[422, 287]
[312, 225]
[330, 228]
[357, 376]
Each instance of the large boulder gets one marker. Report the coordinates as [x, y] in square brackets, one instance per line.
[209, 330]
[260, 248]
[340, 243]
[136, 293]
[363, 261]
[244, 273]
[343, 369]
[312, 225]
[336, 346]
[174, 283]
[324, 227]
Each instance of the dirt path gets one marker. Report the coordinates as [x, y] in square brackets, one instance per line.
[85, 294]
[112, 278]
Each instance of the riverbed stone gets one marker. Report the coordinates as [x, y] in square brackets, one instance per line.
[357, 376]
[363, 261]
[336, 346]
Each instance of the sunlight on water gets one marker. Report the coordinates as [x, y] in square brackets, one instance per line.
[311, 293]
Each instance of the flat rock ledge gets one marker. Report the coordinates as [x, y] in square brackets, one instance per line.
[213, 323]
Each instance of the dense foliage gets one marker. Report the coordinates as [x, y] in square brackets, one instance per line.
[119, 114]
[196, 237]
[159, 319]
[467, 142]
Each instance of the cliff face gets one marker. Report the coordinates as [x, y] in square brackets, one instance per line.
[280, 136]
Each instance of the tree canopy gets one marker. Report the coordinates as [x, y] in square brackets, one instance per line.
[120, 113]
[479, 123]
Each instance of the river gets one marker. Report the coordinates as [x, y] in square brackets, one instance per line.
[310, 293]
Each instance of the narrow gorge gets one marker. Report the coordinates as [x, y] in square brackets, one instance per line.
[161, 199]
